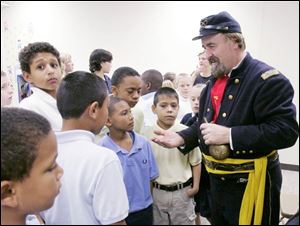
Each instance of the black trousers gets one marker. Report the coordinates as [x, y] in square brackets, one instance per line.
[142, 217]
[202, 198]
[227, 193]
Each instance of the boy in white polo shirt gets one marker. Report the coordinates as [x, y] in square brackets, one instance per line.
[93, 191]
[179, 174]
[41, 67]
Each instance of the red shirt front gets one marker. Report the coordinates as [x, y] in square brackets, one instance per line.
[217, 93]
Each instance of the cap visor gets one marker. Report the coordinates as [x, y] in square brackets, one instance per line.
[197, 37]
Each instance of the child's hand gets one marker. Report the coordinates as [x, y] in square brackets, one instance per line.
[191, 192]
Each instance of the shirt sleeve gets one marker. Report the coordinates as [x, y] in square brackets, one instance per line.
[195, 157]
[110, 200]
[153, 165]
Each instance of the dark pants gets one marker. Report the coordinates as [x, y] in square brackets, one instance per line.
[202, 198]
[142, 217]
[227, 193]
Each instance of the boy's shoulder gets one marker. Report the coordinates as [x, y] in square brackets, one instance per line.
[140, 138]
[39, 99]
[178, 126]
[28, 101]
[107, 143]
[82, 141]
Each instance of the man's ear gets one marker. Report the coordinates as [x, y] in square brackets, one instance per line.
[114, 91]
[27, 76]
[8, 194]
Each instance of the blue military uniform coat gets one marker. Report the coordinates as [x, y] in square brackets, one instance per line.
[257, 106]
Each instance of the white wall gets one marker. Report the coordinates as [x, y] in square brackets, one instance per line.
[157, 35]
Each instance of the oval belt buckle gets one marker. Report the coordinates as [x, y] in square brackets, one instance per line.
[219, 152]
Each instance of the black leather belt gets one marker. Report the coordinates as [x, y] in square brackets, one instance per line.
[174, 187]
[235, 167]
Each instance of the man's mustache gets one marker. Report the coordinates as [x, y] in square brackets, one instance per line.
[213, 59]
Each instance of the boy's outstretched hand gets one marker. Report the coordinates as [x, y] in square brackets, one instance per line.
[167, 139]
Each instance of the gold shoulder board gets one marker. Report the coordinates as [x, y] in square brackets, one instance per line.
[269, 74]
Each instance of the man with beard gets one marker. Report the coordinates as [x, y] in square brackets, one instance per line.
[245, 115]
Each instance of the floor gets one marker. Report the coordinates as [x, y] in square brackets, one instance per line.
[289, 191]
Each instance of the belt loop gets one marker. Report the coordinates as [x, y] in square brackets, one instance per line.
[180, 186]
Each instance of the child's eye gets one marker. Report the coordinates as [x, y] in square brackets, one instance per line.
[41, 67]
[124, 112]
[54, 65]
[53, 167]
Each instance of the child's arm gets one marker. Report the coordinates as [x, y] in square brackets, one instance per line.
[151, 186]
[196, 171]
[122, 222]
[40, 219]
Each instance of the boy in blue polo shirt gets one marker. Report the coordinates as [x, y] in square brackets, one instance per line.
[138, 162]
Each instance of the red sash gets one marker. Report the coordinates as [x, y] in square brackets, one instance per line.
[217, 93]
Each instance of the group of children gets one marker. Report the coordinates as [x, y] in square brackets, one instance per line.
[73, 178]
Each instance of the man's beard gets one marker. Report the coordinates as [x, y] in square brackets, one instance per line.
[217, 68]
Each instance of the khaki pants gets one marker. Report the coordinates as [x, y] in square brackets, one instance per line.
[173, 208]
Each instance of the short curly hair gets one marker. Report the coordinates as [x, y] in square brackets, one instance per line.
[21, 133]
[29, 52]
[121, 73]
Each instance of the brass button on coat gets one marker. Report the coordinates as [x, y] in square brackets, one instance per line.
[230, 97]
[236, 81]
[224, 115]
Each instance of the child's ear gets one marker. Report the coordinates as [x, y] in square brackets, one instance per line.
[93, 109]
[148, 85]
[108, 122]
[27, 76]
[8, 194]
[153, 109]
[114, 90]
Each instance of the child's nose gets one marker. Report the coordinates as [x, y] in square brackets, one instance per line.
[130, 116]
[60, 172]
[136, 95]
[50, 69]
[170, 108]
